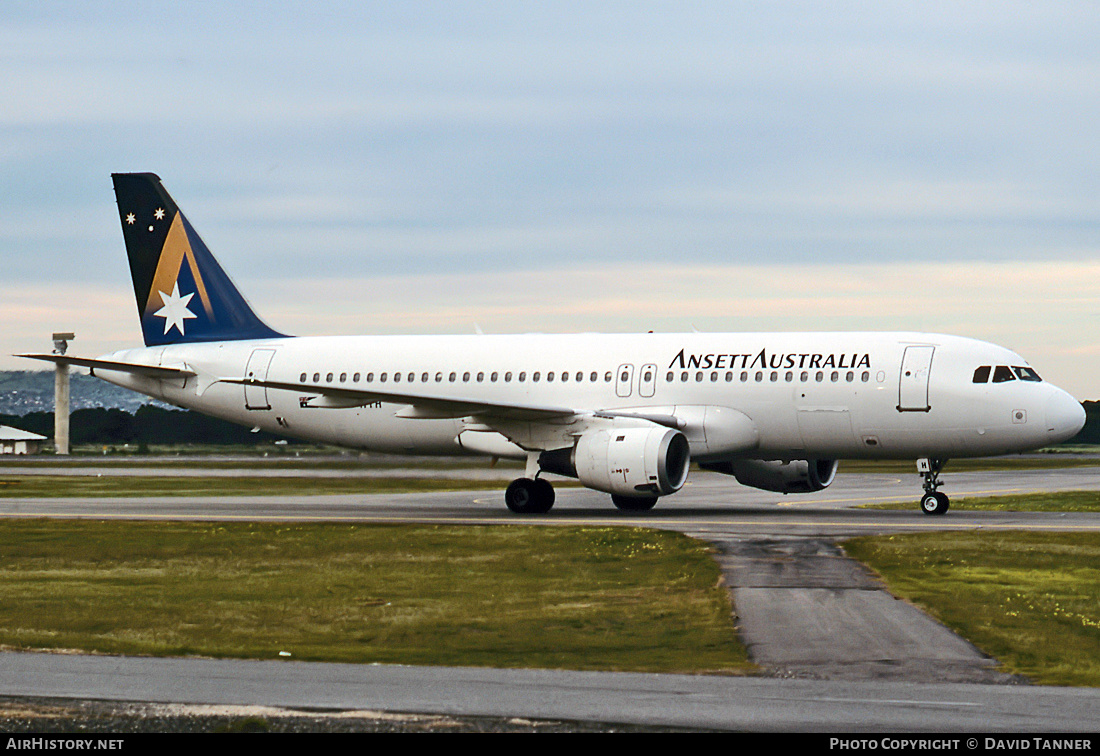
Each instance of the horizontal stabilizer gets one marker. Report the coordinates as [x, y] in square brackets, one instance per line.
[150, 371]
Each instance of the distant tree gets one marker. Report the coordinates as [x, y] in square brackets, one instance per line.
[35, 422]
[1090, 434]
[149, 425]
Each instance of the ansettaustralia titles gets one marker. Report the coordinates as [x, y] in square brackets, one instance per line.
[774, 360]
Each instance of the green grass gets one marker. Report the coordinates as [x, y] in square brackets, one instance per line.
[579, 598]
[1030, 600]
[1057, 501]
[53, 486]
[1053, 461]
[245, 459]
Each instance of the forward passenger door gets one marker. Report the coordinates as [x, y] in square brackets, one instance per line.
[916, 369]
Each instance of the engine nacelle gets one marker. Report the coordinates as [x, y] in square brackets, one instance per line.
[796, 476]
[646, 461]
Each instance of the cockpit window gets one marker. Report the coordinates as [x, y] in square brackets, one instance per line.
[1026, 374]
[981, 375]
[1002, 373]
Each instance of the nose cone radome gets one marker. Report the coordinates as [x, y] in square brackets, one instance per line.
[1065, 417]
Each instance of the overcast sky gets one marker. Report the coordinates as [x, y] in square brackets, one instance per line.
[403, 167]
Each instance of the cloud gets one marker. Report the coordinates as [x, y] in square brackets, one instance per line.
[613, 165]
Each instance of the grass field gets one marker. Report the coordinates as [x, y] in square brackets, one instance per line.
[1030, 600]
[986, 464]
[555, 597]
[578, 598]
[1057, 501]
[52, 486]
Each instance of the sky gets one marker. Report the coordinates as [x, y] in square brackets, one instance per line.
[567, 166]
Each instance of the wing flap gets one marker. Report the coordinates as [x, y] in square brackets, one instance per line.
[420, 406]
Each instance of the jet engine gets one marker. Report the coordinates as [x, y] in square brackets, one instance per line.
[795, 476]
[632, 462]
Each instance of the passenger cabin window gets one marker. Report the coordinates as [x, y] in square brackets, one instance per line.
[1002, 373]
[981, 375]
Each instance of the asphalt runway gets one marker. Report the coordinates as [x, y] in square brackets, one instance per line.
[837, 651]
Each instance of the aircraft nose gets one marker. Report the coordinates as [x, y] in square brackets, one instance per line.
[1065, 416]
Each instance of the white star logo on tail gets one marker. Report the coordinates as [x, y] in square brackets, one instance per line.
[175, 310]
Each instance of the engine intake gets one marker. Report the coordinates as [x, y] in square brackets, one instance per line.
[627, 461]
[795, 476]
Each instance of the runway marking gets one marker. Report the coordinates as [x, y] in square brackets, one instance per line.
[892, 498]
[901, 702]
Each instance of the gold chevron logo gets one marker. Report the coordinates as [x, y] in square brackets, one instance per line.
[176, 250]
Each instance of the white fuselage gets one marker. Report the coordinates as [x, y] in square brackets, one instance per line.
[807, 395]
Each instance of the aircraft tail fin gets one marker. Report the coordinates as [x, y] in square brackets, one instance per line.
[183, 295]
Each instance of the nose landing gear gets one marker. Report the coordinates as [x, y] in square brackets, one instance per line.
[934, 502]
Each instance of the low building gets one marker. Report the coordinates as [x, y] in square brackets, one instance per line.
[15, 441]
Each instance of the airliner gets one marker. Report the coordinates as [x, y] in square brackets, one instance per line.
[624, 414]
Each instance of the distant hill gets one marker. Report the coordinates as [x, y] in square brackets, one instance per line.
[26, 391]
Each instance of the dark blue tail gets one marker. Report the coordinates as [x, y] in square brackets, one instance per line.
[182, 293]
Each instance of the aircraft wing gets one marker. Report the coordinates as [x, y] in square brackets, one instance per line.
[421, 406]
[150, 371]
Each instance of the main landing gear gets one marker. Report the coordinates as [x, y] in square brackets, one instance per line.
[933, 502]
[536, 496]
[529, 496]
